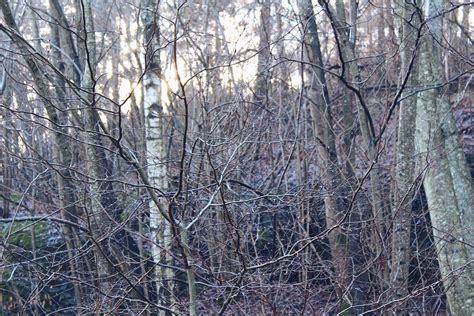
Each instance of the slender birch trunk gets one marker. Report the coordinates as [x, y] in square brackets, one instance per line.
[447, 182]
[154, 110]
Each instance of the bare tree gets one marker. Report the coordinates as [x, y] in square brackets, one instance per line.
[235, 157]
[447, 182]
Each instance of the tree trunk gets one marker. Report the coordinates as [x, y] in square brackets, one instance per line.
[405, 163]
[263, 63]
[155, 151]
[65, 185]
[342, 245]
[93, 146]
[5, 177]
[447, 182]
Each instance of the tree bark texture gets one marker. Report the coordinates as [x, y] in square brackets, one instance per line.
[447, 182]
[405, 161]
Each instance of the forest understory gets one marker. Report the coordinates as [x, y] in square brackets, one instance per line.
[236, 157]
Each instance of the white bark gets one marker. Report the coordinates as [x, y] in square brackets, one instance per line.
[155, 151]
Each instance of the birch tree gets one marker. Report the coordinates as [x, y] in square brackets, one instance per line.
[154, 110]
[266, 179]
